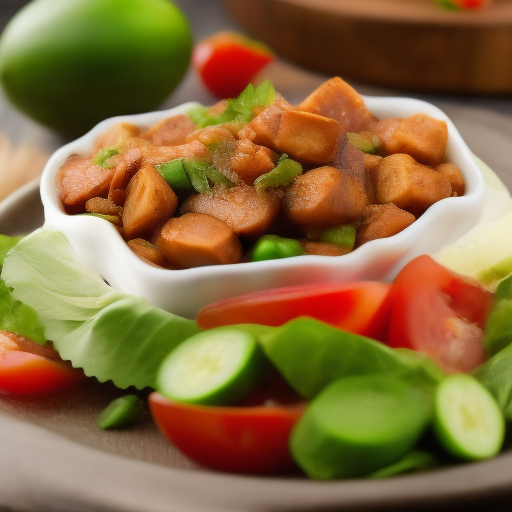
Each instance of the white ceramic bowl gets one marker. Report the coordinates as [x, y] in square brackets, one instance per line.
[184, 292]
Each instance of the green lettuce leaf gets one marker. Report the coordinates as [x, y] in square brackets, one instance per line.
[110, 334]
[310, 355]
[496, 376]
[239, 109]
[15, 316]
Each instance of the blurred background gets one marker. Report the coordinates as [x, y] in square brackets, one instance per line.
[459, 60]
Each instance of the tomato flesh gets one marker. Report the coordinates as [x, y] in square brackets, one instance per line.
[252, 440]
[358, 307]
[440, 314]
[227, 62]
[24, 372]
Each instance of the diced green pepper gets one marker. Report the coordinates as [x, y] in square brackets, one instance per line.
[103, 155]
[282, 175]
[120, 411]
[365, 141]
[343, 236]
[174, 173]
[272, 247]
[201, 174]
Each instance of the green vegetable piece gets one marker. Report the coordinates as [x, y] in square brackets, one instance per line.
[15, 316]
[342, 236]
[6, 244]
[282, 175]
[110, 334]
[103, 155]
[311, 355]
[273, 247]
[496, 375]
[358, 425]
[365, 141]
[498, 329]
[216, 367]
[415, 460]
[174, 173]
[120, 412]
[239, 109]
[201, 174]
[467, 419]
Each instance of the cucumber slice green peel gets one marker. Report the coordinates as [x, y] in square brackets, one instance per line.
[467, 419]
[216, 367]
[358, 425]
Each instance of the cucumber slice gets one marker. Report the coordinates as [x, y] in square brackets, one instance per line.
[467, 419]
[216, 367]
[358, 425]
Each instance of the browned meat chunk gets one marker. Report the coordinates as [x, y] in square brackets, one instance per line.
[264, 127]
[400, 180]
[308, 137]
[324, 197]
[337, 100]
[119, 133]
[148, 252]
[212, 135]
[196, 239]
[420, 136]
[161, 154]
[79, 180]
[149, 201]
[249, 161]
[171, 131]
[453, 174]
[321, 248]
[244, 210]
[381, 221]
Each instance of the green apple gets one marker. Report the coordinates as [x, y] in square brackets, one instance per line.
[70, 64]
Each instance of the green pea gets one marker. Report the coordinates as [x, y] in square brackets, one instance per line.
[343, 236]
[273, 247]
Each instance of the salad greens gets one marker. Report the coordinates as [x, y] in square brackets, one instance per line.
[111, 335]
[311, 355]
[15, 316]
[239, 109]
[496, 373]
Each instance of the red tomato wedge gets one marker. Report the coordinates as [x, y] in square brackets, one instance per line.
[440, 314]
[227, 62]
[28, 368]
[252, 440]
[358, 307]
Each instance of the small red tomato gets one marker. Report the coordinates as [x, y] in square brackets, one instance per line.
[439, 313]
[465, 4]
[251, 440]
[357, 307]
[28, 368]
[227, 62]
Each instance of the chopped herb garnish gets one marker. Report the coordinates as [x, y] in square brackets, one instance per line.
[239, 109]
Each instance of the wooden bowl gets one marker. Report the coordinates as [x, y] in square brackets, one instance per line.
[402, 44]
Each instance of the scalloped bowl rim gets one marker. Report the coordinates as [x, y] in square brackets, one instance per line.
[183, 292]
